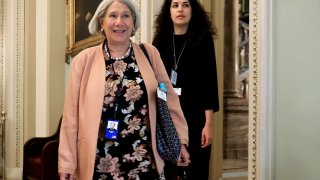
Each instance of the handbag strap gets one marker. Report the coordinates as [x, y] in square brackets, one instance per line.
[145, 52]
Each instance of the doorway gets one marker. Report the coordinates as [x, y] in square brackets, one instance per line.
[235, 92]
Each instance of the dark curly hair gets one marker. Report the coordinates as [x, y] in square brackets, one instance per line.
[199, 27]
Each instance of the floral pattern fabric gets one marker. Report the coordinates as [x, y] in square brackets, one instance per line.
[130, 155]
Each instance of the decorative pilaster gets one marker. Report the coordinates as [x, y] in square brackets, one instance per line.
[19, 71]
[2, 91]
[2, 71]
[12, 87]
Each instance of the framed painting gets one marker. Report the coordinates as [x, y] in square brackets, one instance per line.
[79, 14]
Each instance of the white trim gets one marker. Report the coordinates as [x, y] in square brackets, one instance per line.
[42, 54]
[145, 20]
[267, 93]
[149, 10]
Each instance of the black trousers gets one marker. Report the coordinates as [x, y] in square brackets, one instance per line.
[197, 170]
[200, 161]
[172, 171]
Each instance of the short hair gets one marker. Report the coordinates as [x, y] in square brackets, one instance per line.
[94, 25]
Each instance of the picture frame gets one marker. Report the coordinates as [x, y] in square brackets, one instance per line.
[79, 14]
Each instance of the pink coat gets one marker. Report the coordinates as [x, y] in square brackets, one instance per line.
[83, 107]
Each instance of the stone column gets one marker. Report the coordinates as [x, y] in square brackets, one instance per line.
[231, 50]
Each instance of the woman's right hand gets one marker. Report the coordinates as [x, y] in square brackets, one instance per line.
[64, 176]
[184, 159]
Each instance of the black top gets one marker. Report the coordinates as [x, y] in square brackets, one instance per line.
[197, 76]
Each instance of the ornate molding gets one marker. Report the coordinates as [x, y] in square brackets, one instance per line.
[2, 79]
[2, 85]
[67, 32]
[19, 56]
[254, 121]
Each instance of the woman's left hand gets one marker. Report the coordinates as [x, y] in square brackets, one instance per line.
[206, 138]
[184, 159]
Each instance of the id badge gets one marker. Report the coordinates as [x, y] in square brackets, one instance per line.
[173, 77]
[161, 94]
[111, 129]
[178, 91]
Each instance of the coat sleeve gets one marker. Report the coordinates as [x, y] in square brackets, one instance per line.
[172, 98]
[67, 154]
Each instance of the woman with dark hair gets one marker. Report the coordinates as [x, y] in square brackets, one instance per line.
[184, 37]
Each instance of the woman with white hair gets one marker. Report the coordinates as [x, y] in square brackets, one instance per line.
[114, 83]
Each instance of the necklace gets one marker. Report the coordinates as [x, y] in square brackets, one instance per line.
[106, 49]
[117, 76]
[176, 61]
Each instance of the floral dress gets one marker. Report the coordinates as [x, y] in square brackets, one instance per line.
[128, 154]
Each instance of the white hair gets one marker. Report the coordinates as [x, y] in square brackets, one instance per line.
[95, 23]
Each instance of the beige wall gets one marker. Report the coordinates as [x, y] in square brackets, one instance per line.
[56, 62]
[217, 153]
[30, 69]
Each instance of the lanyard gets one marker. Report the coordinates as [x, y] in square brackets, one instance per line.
[116, 101]
[176, 61]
